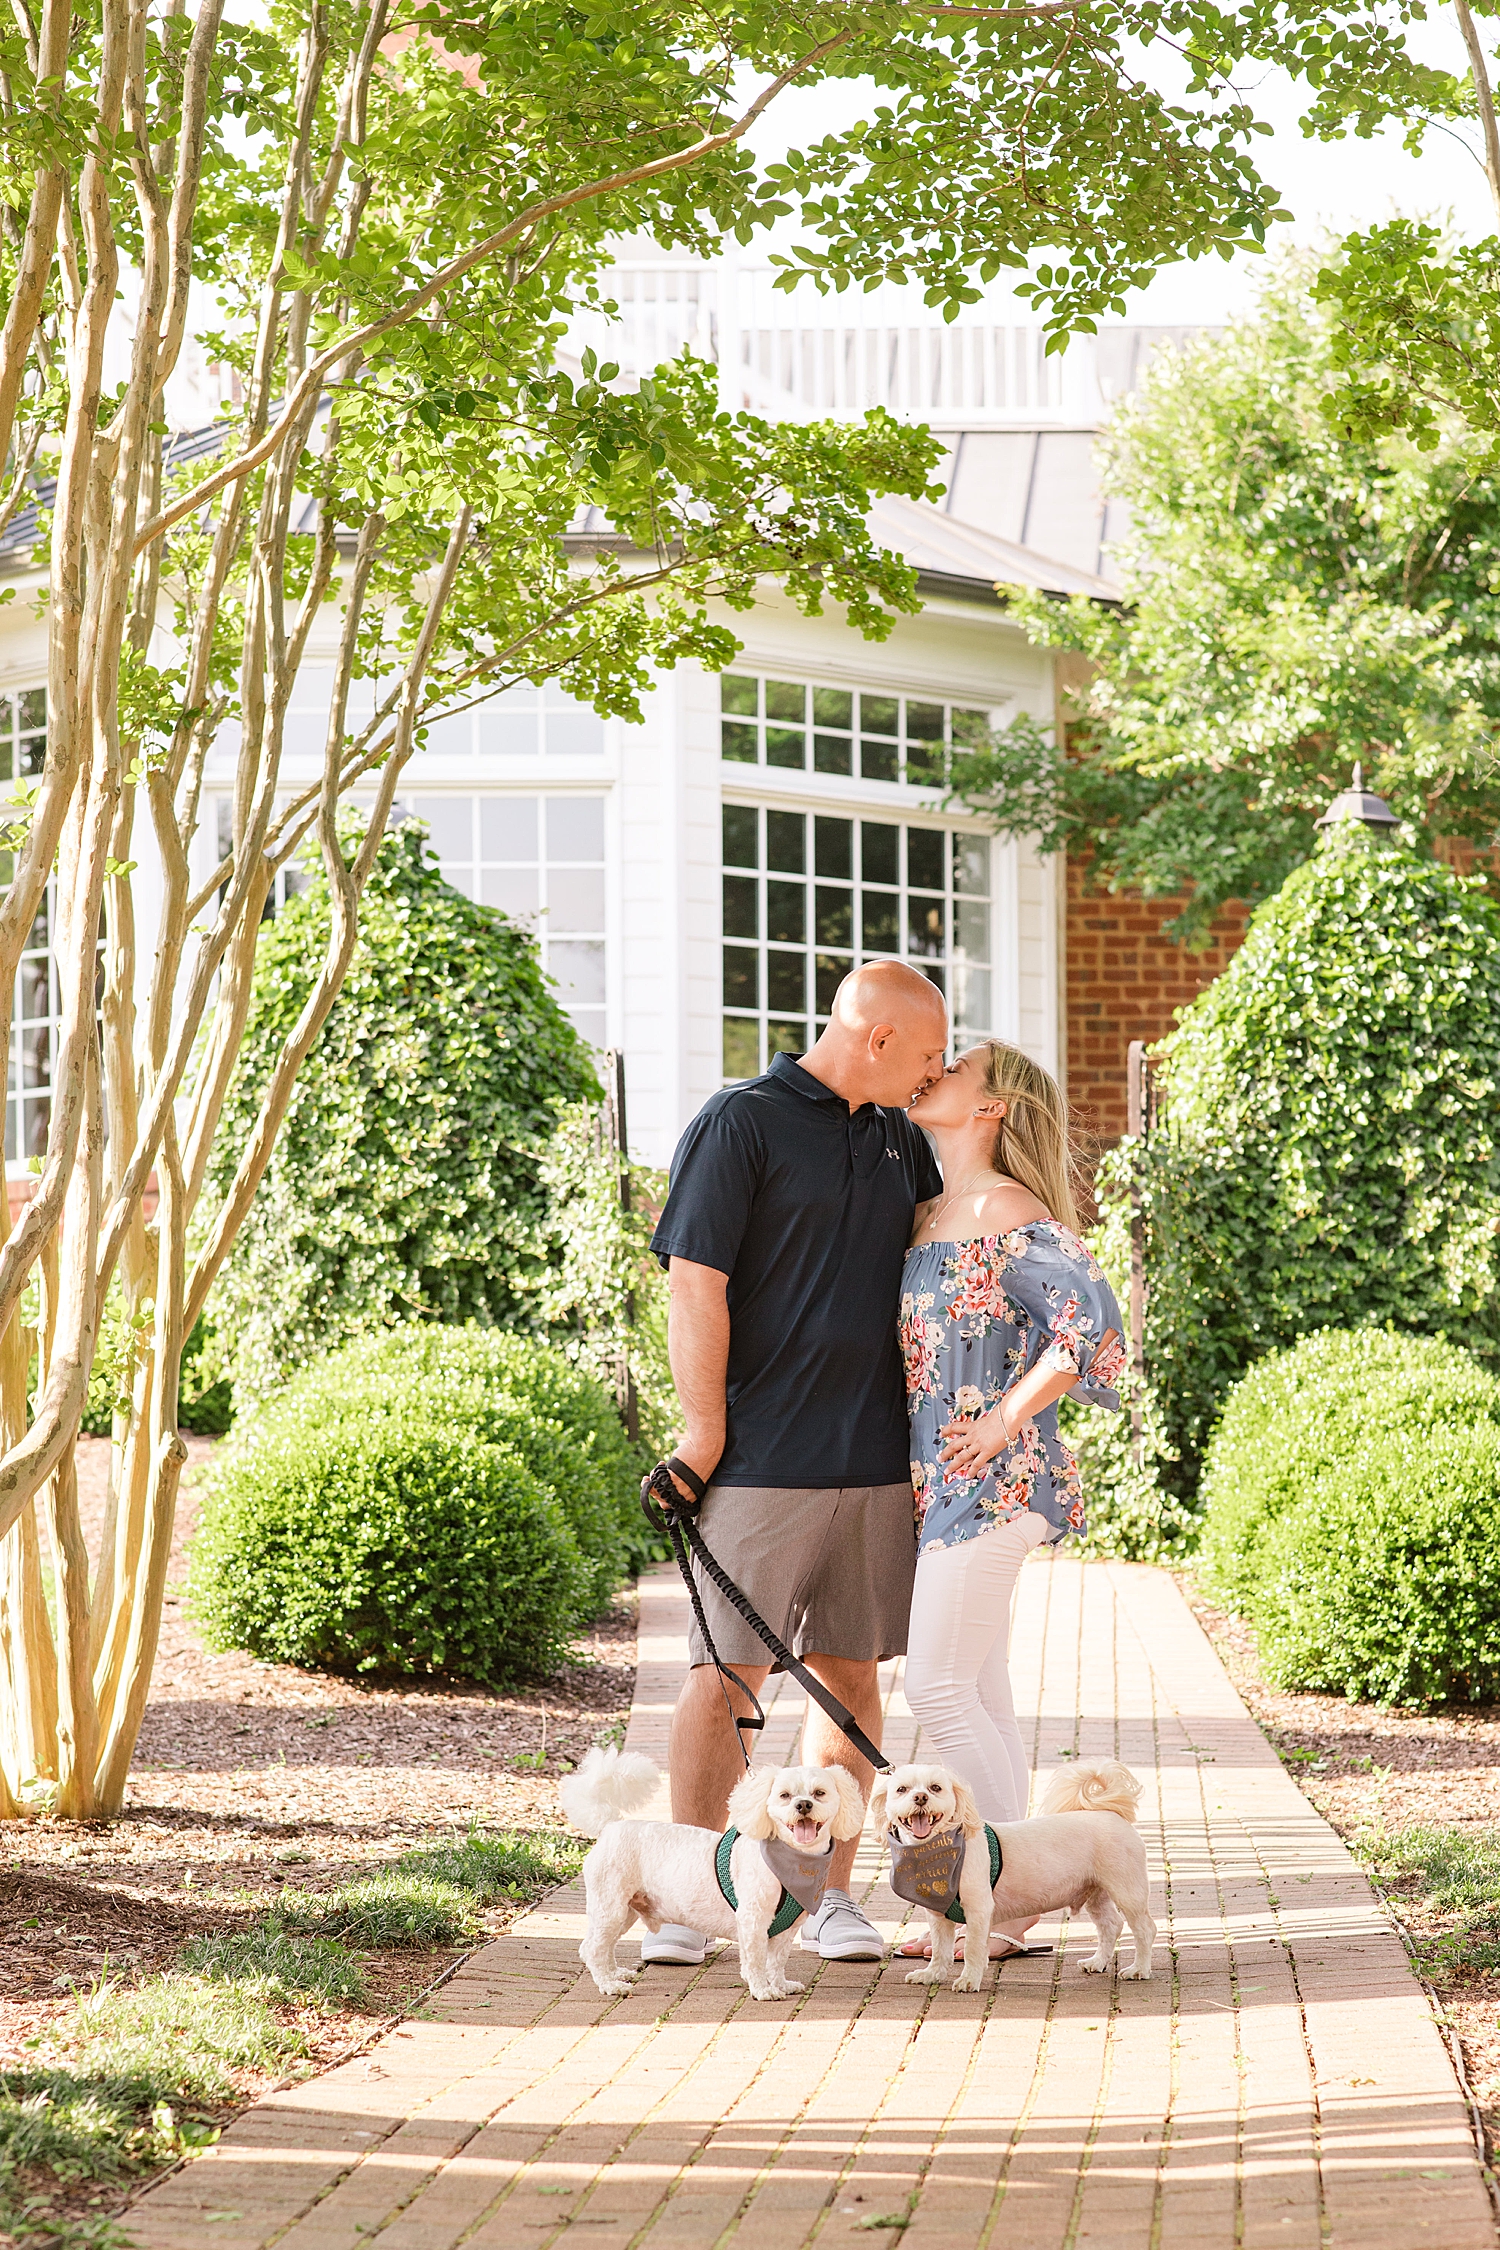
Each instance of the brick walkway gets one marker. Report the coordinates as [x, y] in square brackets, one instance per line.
[1280, 2082]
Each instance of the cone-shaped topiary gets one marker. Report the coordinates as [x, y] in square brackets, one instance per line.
[1330, 1156]
[405, 1180]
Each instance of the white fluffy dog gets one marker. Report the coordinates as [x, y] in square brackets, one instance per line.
[665, 1873]
[1081, 1851]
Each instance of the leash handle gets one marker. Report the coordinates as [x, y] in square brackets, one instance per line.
[663, 1516]
[677, 1522]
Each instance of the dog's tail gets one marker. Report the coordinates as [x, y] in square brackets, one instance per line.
[608, 1785]
[1097, 1785]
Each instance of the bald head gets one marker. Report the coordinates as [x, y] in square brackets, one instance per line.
[889, 992]
[886, 1039]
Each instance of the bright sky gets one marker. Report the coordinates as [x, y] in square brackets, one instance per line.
[1329, 185]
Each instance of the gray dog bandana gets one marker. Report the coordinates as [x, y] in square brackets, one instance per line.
[927, 1873]
[806, 1879]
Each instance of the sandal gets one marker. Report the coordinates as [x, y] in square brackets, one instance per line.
[920, 1949]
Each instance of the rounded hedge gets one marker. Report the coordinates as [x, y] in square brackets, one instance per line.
[517, 1392]
[384, 1417]
[408, 1550]
[1331, 1154]
[1352, 1498]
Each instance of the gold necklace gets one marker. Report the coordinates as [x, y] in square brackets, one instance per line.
[957, 1192]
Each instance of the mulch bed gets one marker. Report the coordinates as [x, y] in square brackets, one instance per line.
[250, 1777]
[1367, 1768]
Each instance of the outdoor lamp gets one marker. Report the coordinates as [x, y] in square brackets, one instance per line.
[1359, 803]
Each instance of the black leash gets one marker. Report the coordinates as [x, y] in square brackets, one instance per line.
[667, 1511]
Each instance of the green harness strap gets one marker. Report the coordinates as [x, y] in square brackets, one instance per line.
[955, 1911]
[789, 1910]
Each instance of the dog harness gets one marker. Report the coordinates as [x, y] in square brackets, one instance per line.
[927, 1873]
[803, 1881]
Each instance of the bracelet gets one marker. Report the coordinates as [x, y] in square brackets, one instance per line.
[1004, 1425]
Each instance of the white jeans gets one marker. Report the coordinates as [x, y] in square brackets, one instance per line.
[957, 1668]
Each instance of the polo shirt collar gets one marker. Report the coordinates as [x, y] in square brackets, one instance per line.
[867, 1130]
[802, 1081]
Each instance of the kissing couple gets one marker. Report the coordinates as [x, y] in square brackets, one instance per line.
[869, 1342]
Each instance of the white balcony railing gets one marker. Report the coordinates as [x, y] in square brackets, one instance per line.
[812, 362]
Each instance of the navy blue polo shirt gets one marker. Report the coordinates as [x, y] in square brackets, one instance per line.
[808, 1209]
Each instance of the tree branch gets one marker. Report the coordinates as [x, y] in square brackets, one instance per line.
[308, 385]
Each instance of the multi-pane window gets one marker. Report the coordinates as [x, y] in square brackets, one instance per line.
[803, 729]
[23, 733]
[523, 722]
[33, 1029]
[807, 896]
[541, 860]
[36, 1001]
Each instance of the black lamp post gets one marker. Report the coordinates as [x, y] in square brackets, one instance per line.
[1361, 804]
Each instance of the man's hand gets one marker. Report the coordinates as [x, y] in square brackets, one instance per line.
[701, 1453]
[698, 1345]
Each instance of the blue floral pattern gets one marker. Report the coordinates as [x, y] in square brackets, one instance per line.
[975, 1317]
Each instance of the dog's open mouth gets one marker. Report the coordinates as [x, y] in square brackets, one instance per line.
[921, 1824]
[806, 1832]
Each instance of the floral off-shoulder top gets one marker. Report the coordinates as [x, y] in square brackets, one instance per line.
[975, 1317]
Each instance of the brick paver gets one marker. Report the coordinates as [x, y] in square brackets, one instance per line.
[1279, 2085]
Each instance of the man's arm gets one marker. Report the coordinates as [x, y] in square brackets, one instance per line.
[698, 1347]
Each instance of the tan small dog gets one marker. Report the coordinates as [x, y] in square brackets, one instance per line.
[1081, 1851]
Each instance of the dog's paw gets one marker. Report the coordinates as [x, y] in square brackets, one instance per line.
[969, 1980]
[926, 1972]
[615, 1987]
[1142, 1976]
[782, 1991]
[1094, 1967]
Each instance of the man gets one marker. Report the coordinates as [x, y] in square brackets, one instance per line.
[784, 1233]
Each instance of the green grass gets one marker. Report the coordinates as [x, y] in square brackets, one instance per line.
[178, 2036]
[494, 1867]
[1459, 1872]
[274, 1965]
[134, 2064]
[384, 1912]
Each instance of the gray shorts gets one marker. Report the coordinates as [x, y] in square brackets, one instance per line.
[829, 1569]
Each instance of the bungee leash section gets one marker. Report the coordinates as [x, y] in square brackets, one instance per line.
[667, 1511]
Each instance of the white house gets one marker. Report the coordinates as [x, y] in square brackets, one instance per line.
[701, 881]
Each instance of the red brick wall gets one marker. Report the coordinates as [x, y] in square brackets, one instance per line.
[1124, 981]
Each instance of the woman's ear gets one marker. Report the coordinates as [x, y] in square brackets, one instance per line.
[968, 1812]
[849, 1820]
[995, 1109]
[877, 1804]
[747, 1804]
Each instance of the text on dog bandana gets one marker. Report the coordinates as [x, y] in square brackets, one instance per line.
[927, 1873]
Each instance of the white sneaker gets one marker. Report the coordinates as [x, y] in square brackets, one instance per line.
[840, 1932]
[675, 1946]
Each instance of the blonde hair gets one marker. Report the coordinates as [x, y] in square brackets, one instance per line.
[1032, 1140]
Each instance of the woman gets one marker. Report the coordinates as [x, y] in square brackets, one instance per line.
[1002, 1311]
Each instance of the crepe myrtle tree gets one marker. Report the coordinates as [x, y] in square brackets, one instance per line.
[392, 212]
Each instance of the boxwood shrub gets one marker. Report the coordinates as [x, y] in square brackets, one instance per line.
[387, 1544]
[532, 1397]
[1352, 1514]
[428, 1499]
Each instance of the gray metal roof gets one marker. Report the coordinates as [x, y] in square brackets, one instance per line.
[967, 557]
[1040, 489]
[1022, 508]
